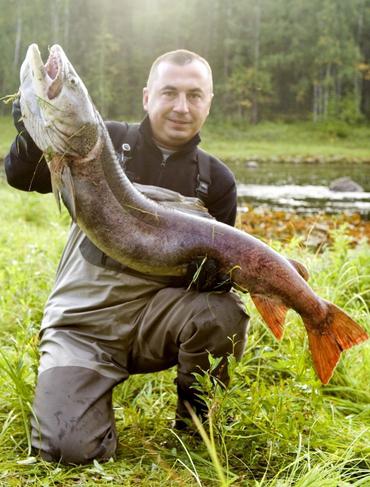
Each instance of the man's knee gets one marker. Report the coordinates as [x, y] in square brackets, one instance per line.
[76, 447]
[219, 326]
[73, 420]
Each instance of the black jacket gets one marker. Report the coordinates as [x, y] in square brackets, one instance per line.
[28, 171]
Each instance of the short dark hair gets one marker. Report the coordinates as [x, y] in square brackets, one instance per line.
[181, 57]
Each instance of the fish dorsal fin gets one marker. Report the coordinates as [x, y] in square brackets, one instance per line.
[300, 268]
[272, 312]
[68, 193]
[173, 199]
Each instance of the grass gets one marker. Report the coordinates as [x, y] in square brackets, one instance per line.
[286, 429]
[8, 133]
[301, 139]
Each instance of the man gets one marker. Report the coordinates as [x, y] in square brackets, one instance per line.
[103, 321]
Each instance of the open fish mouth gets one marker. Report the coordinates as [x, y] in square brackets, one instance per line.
[50, 74]
[53, 69]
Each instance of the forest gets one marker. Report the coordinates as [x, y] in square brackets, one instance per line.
[283, 60]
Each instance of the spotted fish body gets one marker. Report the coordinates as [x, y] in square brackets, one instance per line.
[149, 237]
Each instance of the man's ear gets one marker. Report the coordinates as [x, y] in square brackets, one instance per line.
[145, 98]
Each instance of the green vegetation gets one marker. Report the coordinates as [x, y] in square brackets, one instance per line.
[8, 132]
[237, 140]
[276, 426]
[241, 140]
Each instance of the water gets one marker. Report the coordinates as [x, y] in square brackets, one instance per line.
[303, 187]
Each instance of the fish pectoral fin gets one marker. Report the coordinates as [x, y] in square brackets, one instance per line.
[300, 268]
[272, 312]
[68, 193]
[339, 333]
[55, 188]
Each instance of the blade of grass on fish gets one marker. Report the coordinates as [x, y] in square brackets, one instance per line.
[197, 273]
[44, 103]
[141, 210]
[34, 174]
[10, 98]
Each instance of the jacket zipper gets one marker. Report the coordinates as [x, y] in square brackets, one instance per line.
[163, 166]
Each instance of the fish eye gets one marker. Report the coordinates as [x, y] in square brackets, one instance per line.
[72, 81]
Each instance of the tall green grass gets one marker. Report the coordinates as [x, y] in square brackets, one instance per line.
[275, 426]
[240, 140]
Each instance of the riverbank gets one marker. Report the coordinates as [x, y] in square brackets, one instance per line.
[297, 142]
[311, 231]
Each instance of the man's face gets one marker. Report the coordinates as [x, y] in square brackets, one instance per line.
[177, 101]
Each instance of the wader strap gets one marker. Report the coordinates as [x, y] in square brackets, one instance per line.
[96, 257]
[204, 174]
[130, 140]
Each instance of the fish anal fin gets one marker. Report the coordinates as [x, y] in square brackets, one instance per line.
[68, 193]
[339, 333]
[300, 268]
[272, 312]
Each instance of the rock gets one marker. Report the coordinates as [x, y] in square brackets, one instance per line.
[251, 164]
[318, 236]
[345, 184]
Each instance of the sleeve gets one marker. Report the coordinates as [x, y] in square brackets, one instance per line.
[25, 169]
[222, 199]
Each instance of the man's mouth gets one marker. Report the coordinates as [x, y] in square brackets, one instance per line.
[179, 122]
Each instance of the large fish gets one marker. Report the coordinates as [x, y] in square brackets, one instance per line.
[146, 236]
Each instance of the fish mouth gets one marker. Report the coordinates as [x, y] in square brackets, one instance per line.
[50, 74]
[53, 70]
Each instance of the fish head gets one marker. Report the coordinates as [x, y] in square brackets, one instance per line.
[56, 108]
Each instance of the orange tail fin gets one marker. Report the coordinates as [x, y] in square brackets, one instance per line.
[272, 312]
[339, 332]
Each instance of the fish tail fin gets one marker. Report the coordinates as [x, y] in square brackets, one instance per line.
[272, 312]
[339, 332]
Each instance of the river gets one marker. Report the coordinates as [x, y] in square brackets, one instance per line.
[302, 186]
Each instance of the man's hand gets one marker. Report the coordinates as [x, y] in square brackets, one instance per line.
[26, 147]
[17, 116]
[204, 275]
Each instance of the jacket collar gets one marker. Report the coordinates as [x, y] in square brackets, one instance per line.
[146, 131]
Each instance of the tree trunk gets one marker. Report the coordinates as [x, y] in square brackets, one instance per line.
[55, 21]
[326, 91]
[66, 20]
[254, 111]
[315, 102]
[18, 37]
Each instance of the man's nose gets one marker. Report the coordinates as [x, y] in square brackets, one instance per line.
[181, 103]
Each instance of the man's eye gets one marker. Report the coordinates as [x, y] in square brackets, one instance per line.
[195, 96]
[169, 93]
